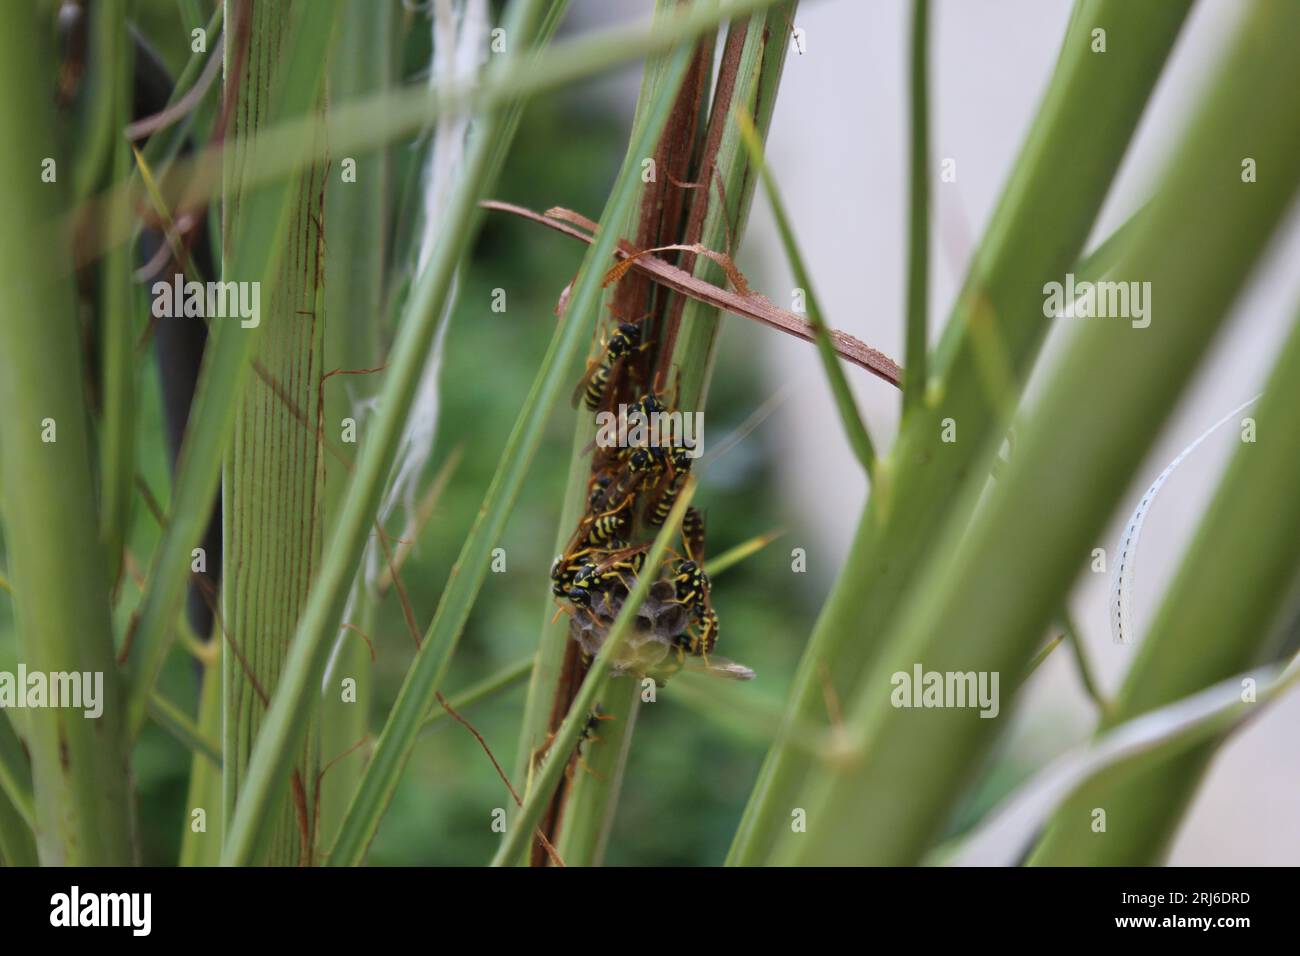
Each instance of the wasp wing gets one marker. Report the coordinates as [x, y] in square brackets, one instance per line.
[716, 666]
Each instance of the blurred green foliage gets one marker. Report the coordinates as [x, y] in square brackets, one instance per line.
[682, 768]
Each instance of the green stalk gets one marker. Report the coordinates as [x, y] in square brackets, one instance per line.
[366, 124]
[98, 118]
[17, 845]
[117, 440]
[733, 556]
[355, 270]
[1204, 718]
[859, 439]
[1044, 653]
[1216, 620]
[226, 364]
[485, 689]
[748, 78]
[514, 104]
[593, 798]
[272, 477]
[285, 726]
[80, 767]
[914, 490]
[354, 294]
[1086, 675]
[758, 77]
[918, 225]
[176, 722]
[17, 803]
[1101, 260]
[162, 148]
[191, 17]
[203, 848]
[425, 676]
[658, 218]
[733, 705]
[16, 775]
[996, 585]
[566, 738]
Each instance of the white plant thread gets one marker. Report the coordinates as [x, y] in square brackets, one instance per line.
[459, 50]
[1121, 591]
[460, 39]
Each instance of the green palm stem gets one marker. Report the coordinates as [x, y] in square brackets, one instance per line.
[81, 768]
[994, 334]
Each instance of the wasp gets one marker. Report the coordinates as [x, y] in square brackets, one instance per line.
[701, 643]
[597, 490]
[619, 566]
[646, 406]
[594, 720]
[610, 526]
[601, 526]
[691, 582]
[561, 576]
[573, 577]
[679, 461]
[584, 585]
[610, 458]
[692, 587]
[563, 571]
[693, 534]
[640, 468]
[593, 385]
[597, 533]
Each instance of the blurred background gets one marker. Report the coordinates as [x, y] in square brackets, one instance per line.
[838, 142]
[838, 149]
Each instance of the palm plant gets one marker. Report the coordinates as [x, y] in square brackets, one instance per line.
[305, 172]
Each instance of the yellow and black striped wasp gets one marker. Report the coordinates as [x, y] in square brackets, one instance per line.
[588, 736]
[598, 534]
[594, 720]
[615, 350]
[619, 566]
[665, 496]
[610, 526]
[608, 516]
[693, 534]
[692, 587]
[647, 406]
[563, 571]
[613, 459]
[639, 469]
[596, 489]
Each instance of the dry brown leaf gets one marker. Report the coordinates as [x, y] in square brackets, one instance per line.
[742, 301]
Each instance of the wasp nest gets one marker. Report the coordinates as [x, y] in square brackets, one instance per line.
[648, 648]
